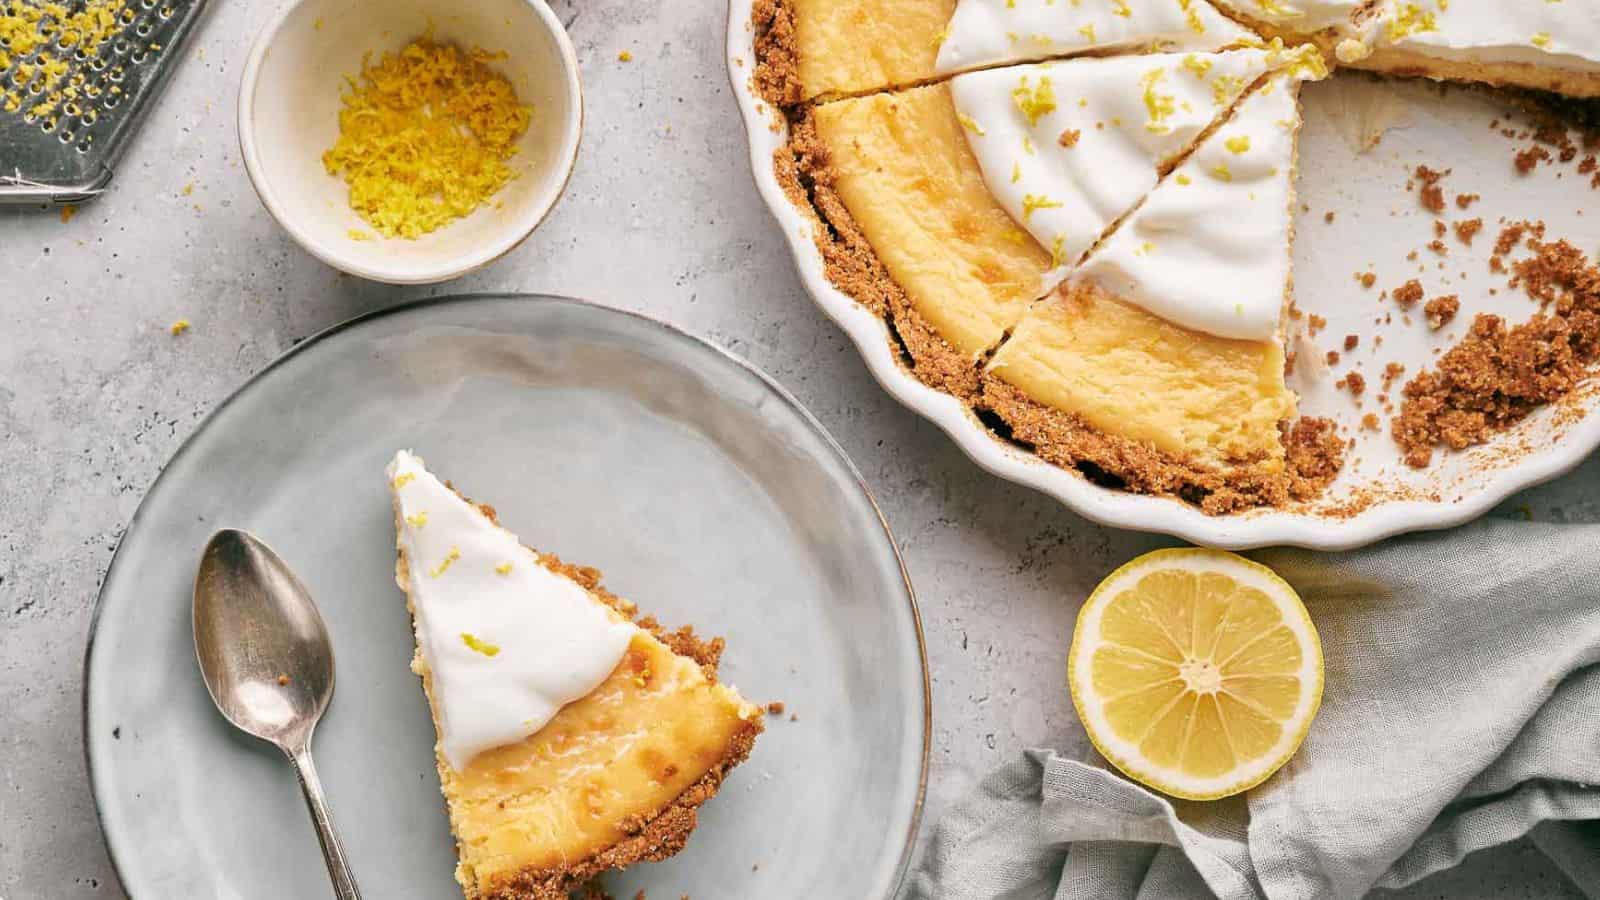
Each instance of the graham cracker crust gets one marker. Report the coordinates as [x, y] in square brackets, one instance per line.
[1405, 64]
[804, 171]
[777, 69]
[1071, 443]
[650, 839]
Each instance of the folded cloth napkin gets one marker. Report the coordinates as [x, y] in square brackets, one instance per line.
[1461, 711]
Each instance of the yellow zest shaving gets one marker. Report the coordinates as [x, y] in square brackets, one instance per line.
[1225, 87]
[1088, 32]
[1016, 172]
[1192, 15]
[424, 136]
[1198, 65]
[1034, 202]
[1120, 8]
[970, 124]
[1058, 251]
[1410, 19]
[1035, 101]
[356, 234]
[179, 327]
[1541, 40]
[1222, 172]
[1239, 143]
[50, 36]
[1184, 179]
[402, 480]
[1159, 106]
[503, 569]
[451, 557]
[417, 520]
[479, 645]
[624, 56]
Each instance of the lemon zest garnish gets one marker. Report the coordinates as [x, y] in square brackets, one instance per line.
[1016, 172]
[503, 569]
[425, 135]
[452, 556]
[1034, 101]
[403, 479]
[1184, 179]
[1159, 106]
[1198, 65]
[479, 645]
[1222, 172]
[1541, 40]
[1088, 32]
[179, 327]
[970, 124]
[417, 519]
[1239, 143]
[624, 56]
[1032, 203]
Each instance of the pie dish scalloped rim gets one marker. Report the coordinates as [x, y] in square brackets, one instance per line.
[1106, 506]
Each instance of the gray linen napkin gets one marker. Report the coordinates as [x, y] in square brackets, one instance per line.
[1461, 711]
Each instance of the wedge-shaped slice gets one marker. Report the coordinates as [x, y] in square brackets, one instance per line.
[1125, 372]
[1068, 148]
[571, 741]
[850, 47]
[1551, 45]
[904, 167]
[1322, 21]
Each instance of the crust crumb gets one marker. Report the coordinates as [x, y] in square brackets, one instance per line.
[1499, 374]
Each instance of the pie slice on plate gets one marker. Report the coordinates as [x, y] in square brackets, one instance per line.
[1160, 362]
[571, 740]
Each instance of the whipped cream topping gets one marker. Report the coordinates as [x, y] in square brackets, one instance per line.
[1302, 16]
[1209, 249]
[1067, 148]
[1561, 33]
[508, 641]
[986, 32]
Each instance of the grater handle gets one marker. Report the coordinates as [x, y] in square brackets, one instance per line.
[16, 190]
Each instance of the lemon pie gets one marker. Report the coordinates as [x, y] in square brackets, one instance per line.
[1075, 217]
[571, 740]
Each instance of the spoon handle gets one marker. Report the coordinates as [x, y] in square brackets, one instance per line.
[344, 883]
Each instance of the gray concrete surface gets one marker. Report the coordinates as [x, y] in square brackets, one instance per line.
[95, 395]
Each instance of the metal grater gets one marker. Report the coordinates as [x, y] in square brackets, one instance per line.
[68, 156]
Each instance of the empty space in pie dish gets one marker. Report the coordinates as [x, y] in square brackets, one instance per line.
[289, 116]
[1380, 226]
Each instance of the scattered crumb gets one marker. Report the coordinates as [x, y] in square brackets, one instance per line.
[775, 708]
[1464, 201]
[1332, 357]
[1438, 246]
[1069, 138]
[1356, 382]
[1315, 453]
[1328, 217]
[1408, 293]
[1468, 229]
[188, 189]
[1370, 422]
[1441, 310]
[1432, 195]
[1351, 341]
[283, 680]
[1391, 372]
[67, 212]
[793, 717]
[1368, 279]
[1527, 159]
[1315, 323]
[1499, 374]
[179, 327]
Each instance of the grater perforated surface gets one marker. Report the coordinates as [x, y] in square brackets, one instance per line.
[68, 105]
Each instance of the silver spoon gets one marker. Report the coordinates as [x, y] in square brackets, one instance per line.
[267, 661]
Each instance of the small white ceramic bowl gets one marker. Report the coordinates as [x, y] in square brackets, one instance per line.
[289, 114]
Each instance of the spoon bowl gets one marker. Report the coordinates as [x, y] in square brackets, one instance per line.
[263, 648]
[267, 661]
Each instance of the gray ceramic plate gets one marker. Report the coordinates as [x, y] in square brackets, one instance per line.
[703, 491]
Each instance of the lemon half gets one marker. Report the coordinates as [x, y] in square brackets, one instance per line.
[1195, 672]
